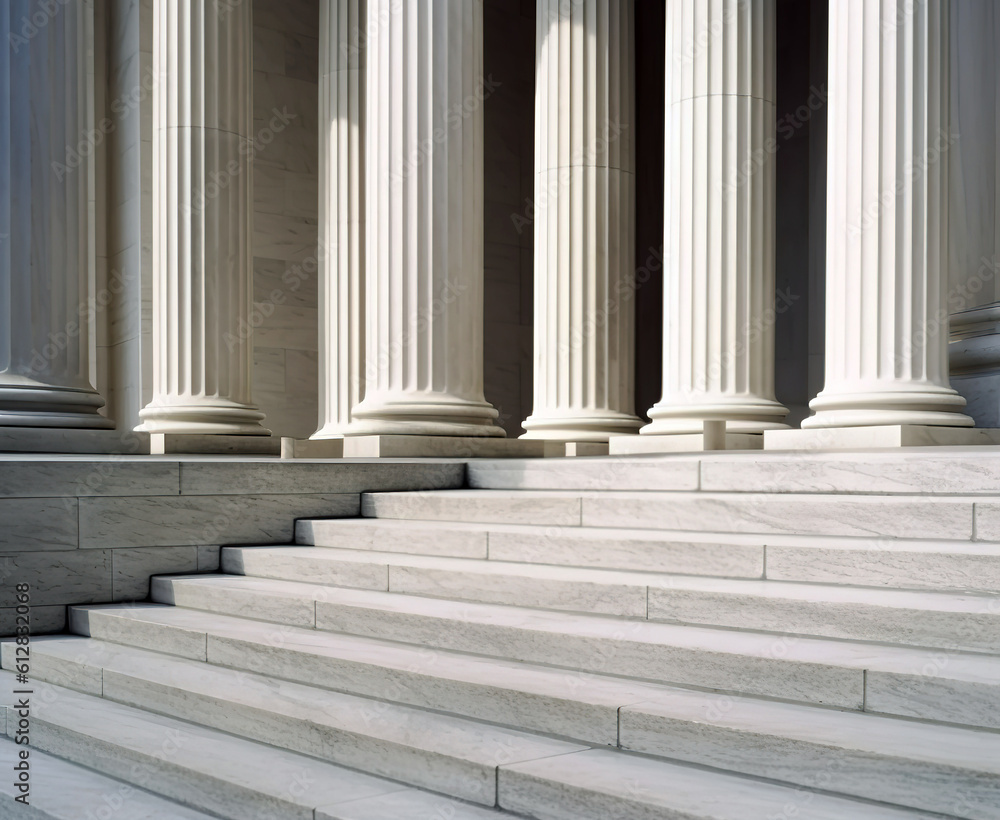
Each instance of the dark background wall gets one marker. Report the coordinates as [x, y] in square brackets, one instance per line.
[801, 182]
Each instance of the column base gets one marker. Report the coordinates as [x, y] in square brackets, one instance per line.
[214, 417]
[886, 435]
[577, 449]
[401, 446]
[599, 426]
[423, 414]
[72, 441]
[684, 443]
[162, 444]
[933, 406]
[752, 416]
[30, 404]
[327, 447]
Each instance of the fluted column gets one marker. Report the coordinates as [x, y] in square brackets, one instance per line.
[584, 361]
[341, 213]
[718, 357]
[887, 218]
[202, 220]
[46, 247]
[424, 226]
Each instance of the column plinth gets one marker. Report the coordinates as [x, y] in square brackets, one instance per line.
[719, 220]
[202, 221]
[424, 222]
[887, 218]
[46, 249]
[584, 226]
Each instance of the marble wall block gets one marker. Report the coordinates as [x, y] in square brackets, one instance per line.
[132, 568]
[74, 576]
[38, 524]
[155, 521]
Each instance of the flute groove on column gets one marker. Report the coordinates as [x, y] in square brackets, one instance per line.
[202, 220]
[719, 219]
[424, 228]
[46, 307]
[584, 358]
[887, 252]
[341, 214]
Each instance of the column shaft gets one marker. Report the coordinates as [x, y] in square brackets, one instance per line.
[46, 247]
[341, 213]
[584, 361]
[887, 218]
[424, 203]
[203, 220]
[718, 358]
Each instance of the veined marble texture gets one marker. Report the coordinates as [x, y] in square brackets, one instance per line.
[194, 520]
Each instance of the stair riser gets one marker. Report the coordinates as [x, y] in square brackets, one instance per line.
[857, 516]
[974, 632]
[684, 558]
[556, 511]
[880, 566]
[416, 540]
[584, 722]
[807, 473]
[899, 781]
[915, 693]
[271, 564]
[854, 621]
[770, 677]
[131, 632]
[574, 596]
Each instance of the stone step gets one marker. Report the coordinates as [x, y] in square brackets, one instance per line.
[931, 470]
[455, 756]
[880, 758]
[204, 768]
[934, 619]
[933, 684]
[60, 790]
[599, 784]
[912, 564]
[945, 518]
[587, 785]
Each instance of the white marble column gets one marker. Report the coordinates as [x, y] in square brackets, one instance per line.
[718, 357]
[584, 358]
[203, 220]
[424, 225]
[341, 213]
[46, 244]
[887, 218]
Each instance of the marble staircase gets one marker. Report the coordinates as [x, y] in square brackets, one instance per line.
[714, 637]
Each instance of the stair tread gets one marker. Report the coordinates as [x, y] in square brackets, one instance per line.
[61, 790]
[252, 765]
[445, 734]
[883, 735]
[585, 784]
[966, 666]
[936, 600]
[285, 781]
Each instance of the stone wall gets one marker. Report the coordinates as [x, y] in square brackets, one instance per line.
[93, 530]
